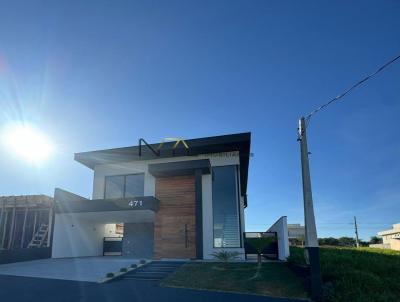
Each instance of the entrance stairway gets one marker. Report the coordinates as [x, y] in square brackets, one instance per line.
[154, 271]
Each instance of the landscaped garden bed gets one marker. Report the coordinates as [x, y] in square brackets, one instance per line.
[275, 278]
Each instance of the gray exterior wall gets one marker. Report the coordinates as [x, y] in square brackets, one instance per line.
[138, 240]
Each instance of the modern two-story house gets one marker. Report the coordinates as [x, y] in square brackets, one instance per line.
[177, 200]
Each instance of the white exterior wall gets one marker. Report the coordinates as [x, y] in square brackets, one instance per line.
[220, 159]
[296, 231]
[388, 235]
[82, 234]
[280, 227]
[110, 230]
[76, 237]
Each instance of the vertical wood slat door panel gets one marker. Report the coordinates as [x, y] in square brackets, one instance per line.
[175, 226]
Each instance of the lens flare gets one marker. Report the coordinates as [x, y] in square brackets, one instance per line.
[28, 143]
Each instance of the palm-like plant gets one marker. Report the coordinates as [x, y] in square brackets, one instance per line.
[259, 244]
[225, 256]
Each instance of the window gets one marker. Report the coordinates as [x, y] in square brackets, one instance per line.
[134, 185]
[114, 187]
[121, 186]
[225, 207]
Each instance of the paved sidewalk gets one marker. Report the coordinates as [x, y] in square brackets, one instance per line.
[77, 269]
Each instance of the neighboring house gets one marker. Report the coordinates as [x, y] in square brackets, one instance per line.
[391, 238]
[167, 201]
[296, 233]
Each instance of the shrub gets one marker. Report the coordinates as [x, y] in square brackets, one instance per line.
[375, 240]
[225, 256]
[123, 270]
[133, 265]
[297, 255]
[110, 275]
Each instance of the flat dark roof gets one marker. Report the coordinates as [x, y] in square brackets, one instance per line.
[206, 145]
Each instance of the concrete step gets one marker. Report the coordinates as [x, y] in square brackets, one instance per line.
[149, 273]
[154, 271]
[162, 265]
[167, 263]
[145, 277]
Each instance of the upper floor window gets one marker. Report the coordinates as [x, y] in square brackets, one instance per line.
[225, 202]
[121, 186]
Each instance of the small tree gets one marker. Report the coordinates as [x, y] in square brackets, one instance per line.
[363, 243]
[259, 245]
[375, 240]
[347, 241]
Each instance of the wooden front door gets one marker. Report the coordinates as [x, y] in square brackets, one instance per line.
[175, 226]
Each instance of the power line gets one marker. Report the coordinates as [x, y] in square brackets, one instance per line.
[338, 97]
[333, 223]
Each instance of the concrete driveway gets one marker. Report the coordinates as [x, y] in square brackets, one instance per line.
[77, 269]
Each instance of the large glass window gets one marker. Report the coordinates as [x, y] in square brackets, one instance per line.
[124, 186]
[134, 185]
[114, 187]
[225, 207]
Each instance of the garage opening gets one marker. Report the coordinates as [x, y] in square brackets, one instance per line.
[134, 240]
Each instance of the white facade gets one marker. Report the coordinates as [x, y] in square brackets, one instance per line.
[390, 238]
[296, 231]
[387, 235]
[76, 237]
[280, 227]
[81, 234]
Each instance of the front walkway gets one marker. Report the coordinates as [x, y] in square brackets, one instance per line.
[77, 269]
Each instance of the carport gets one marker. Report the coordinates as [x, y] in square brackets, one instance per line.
[82, 224]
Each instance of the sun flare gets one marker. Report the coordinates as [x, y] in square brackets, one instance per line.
[28, 143]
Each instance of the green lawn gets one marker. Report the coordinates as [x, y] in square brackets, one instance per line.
[357, 275]
[276, 279]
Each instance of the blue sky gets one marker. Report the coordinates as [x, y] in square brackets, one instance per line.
[101, 74]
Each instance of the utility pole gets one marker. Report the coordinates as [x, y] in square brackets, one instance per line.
[311, 239]
[356, 228]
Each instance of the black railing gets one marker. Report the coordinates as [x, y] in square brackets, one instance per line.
[112, 246]
[155, 152]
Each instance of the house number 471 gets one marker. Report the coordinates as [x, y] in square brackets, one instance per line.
[135, 203]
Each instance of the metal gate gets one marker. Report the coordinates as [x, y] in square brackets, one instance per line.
[112, 246]
[269, 242]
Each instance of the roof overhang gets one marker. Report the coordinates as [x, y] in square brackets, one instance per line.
[389, 232]
[208, 145]
[180, 168]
